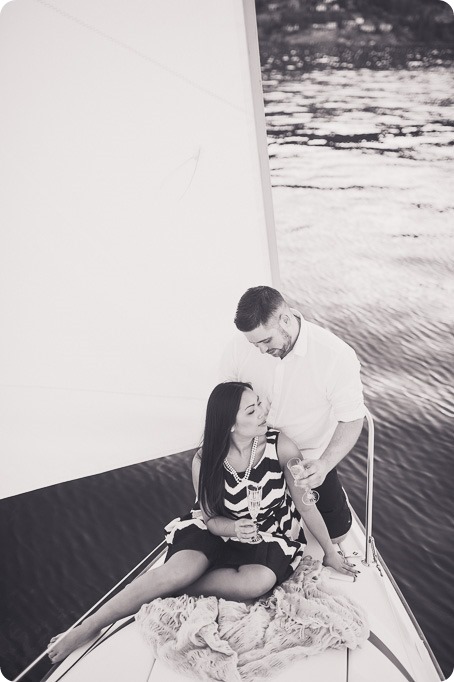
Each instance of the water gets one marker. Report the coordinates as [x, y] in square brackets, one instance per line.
[71, 543]
[360, 165]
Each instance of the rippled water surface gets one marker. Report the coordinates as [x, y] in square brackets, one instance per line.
[361, 165]
[362, 174]
[71, 543]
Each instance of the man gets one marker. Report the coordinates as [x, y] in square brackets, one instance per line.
[311, 380]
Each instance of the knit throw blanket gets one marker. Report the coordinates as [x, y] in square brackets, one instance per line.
[213, 639]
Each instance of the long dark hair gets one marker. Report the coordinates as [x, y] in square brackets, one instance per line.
[222, 408]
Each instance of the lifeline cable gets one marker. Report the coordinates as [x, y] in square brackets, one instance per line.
[44, 653]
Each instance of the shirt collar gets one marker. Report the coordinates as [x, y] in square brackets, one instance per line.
[300, 347]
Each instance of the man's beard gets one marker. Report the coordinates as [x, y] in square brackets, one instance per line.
[287, 347]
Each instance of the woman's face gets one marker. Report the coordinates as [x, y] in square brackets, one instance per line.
[251, 417]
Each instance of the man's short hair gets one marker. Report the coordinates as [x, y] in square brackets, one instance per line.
[256, 306]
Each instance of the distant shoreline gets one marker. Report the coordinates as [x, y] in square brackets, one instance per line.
[292, 58]
[352, 34]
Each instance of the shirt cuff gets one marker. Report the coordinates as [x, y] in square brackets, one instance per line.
[351, 415]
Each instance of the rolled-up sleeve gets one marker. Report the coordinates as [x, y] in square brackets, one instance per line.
[344, 387]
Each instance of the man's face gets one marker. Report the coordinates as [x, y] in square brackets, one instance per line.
[271, 338]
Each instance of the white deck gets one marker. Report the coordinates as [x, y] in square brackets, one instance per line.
[394, 653]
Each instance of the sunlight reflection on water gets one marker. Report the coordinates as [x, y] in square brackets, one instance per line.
[361, 165]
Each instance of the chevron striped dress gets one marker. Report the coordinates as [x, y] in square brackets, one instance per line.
[278, 521]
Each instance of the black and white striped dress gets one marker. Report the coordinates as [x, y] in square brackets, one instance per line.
[278, 520]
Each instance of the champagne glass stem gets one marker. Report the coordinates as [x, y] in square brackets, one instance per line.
[254, 498]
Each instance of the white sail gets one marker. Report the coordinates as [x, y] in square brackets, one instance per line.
[135, 209]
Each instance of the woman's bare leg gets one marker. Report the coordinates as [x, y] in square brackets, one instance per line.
[182, 569]
[246, 582]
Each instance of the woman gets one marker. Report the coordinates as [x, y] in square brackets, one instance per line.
[209, 550]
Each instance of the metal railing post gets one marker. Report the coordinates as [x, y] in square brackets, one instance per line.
[369, 554]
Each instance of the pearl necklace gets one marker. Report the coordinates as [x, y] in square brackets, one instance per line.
[230, 469]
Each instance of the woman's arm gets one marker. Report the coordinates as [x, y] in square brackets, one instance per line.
[243, 529]
[313, 519]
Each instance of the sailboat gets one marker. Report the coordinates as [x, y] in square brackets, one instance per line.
[136, 134]
[396, 649]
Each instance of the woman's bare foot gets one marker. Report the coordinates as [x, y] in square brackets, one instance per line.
[58, 650]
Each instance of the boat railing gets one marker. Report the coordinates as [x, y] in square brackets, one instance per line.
[152, 556]
[370, 554]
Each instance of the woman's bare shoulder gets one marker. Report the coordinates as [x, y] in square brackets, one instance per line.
[286, 448]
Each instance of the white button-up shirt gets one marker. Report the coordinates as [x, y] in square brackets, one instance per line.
[316, 386]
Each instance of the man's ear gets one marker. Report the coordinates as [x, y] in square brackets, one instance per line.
[284, 320]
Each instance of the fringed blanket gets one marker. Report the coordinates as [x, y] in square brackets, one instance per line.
[213, 639]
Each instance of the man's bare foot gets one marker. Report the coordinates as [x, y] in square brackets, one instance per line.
[58, 650]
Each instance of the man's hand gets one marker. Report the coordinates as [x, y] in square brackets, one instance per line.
[343, 439]
[315, 472]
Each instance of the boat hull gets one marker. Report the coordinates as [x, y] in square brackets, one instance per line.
[396, 650]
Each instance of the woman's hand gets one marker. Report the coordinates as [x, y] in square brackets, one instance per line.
[339, 563]
[244, 530]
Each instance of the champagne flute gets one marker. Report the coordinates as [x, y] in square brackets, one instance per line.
[254, 499]
[296, 467]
